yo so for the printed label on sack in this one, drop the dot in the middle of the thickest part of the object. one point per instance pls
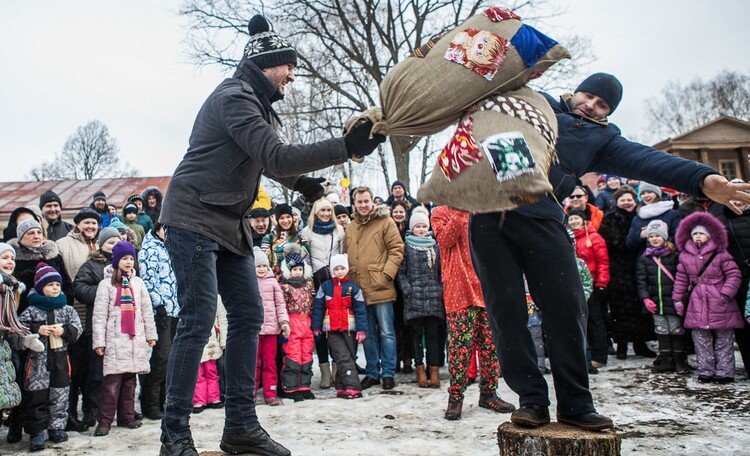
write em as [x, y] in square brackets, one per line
[509, 155]
[461, 151]
[478, 50]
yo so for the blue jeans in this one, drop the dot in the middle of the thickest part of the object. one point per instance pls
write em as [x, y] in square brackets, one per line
[380, 344]
[203, 269]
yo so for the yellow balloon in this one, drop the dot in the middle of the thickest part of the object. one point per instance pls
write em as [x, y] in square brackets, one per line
[345, 182]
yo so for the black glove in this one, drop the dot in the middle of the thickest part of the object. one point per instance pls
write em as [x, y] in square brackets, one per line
[310, 187]
[358, 141]
[8, 280]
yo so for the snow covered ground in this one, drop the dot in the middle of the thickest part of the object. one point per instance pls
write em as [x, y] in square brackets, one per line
[656, 415]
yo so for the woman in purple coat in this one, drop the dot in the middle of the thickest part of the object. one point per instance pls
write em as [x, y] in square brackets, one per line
[711, 311]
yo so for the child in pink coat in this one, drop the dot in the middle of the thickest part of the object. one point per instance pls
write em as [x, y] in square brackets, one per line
[275, 321]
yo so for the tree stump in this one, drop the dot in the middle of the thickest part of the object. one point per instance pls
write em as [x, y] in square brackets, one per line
[212, 453]
[555, 439]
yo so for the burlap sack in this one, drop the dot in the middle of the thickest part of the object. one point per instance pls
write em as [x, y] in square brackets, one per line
[490, 52]
[499, 157]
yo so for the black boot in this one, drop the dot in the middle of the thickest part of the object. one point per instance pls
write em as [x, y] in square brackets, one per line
[679, 343]
[641, 349]
[664, 362]
[255, 441]
[15, 430]
[622, 350]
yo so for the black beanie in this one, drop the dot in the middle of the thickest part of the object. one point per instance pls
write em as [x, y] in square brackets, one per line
[85, 214]
[399, 183]
[265, 48]
[340, 210]
[259, 212]
[578, 213]
[100, 195]
[48, 197]
[605, 86]
[282, 209]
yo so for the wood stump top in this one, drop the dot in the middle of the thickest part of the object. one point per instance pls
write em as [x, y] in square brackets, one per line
[555, 439]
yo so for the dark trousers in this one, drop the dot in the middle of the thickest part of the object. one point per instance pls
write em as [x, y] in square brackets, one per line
[153, 383]
[118, 394]
[79, 372]
[425, 334]
[94, 381]
[204, 269]
[504, 247]
[404, 333]
[596, 329]
[321, 349]
[341, 345]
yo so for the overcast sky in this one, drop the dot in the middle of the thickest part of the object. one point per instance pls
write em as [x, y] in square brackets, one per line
[125, 64]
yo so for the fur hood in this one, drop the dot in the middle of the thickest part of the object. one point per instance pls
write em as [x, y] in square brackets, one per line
[152, 191]
[378, 211]
[45, 252]
[98, 257]
[716, 230]
[291, 248]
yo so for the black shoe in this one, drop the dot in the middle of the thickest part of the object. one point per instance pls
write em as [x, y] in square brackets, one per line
[154, 414]
[138, 416]
[57, 436]
[101, 431]
[75, 425]
[493, 402]
[89, 420]
[641, 349]
[588, 421]
[369, 382]
[723, 380]
[198, 409]
[622, 350]
[255, 441]
[530, 415]
[215, 405]
[184, 447]
[135, 424]
[705, 379]
[360, 370]
[453, 412]
[37, 442]
[296, 396]
[593, 370]
[388, 383]
[308, 395]
[15, 433]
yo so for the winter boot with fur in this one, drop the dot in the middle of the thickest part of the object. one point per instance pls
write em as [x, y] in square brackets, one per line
[325, 376]
[664, 361]
[679, 346]
[421, 376]
[453, 412]
[434, 377]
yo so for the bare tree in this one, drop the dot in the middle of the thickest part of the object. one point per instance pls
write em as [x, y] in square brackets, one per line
[90, 153]
[346, 47]
[681, 108]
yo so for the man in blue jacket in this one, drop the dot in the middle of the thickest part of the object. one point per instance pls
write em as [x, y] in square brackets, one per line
[532, 241]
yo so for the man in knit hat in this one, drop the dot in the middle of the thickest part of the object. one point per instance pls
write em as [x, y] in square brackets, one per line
[503, 252]
[233, 143]
[399, 193]
[99, 204]
[51, 206]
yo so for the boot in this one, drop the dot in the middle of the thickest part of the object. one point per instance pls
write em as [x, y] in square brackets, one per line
[679, 348]
[421, 376]
[434, 377]
[622, 350]
[664, 362]
[641, 349]
[325, 376]
[453, 412]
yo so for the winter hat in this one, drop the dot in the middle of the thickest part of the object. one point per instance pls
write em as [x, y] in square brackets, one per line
[48, 197]
[44, 275]
[108, 233]
[398, 182]
[100, 196]
[259, 212]
[121, 249]
[646, 187]
[261, 259]
[333, 198]
[282, 209]
[340, 210]
[6, 248]
[607, 177]
[700, 229]
[658, 227]
[293, 255]
[25, 226]
[577, 213]
[419, 215]
[118, 225]
[134, 198]
[605, 86]
[340, 260]
[602, 180]
[265, 48]
[87, 214]
[130, 208]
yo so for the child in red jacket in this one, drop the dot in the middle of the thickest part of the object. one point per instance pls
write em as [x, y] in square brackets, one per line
[591, 248]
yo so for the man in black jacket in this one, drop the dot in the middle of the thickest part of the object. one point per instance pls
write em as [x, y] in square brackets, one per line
[531, 240]
[213, 189]
[51, 206]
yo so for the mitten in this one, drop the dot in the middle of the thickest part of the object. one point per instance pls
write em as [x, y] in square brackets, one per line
[286, 329]
[680, 308]
[650, 305]
[359, 142]
[360, 336]
[310, 187]
[33, 343]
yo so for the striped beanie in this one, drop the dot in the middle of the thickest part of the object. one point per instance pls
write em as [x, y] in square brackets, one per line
[45, 274]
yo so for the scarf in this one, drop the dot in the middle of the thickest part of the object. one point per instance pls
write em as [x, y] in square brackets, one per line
[423, 244]
[126, 303]
[46, 303]
[657, 251]
[655, 209]
[296, 282]
[323, 227]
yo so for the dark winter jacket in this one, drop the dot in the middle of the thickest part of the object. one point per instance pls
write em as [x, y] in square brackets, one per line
[104, 214]
[26, 261]
[712, 303]
[86, 282]
[738, 227]
[339, 306]
[584, 145]
[10, 231]
[655, 284]
[232, 144]
[605, 200]
[146, 222]
[152, 212]
[658, 211]
[420, 281]
[58, 230]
